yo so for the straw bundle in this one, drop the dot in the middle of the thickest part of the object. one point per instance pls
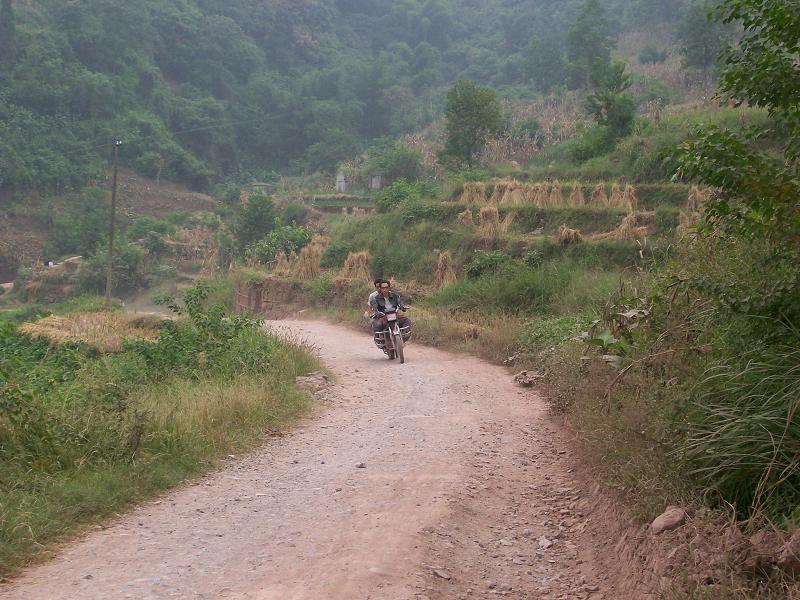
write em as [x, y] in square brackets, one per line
[616, 200]
[556, 197]
[445, 274]
[281, 264]
[599, 197]
[500, 189]
[629, 199]
[627, 230]
[356, 266]
[507, 222]
[308, 263]
[465, 218]
[104, 331]
[689, 217]
[567, 236]
[489, 227]
[515, 194]
[474, 192]
[540, 198]
[576, 199]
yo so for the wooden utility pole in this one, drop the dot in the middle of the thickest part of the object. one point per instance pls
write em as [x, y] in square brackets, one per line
[111, 227]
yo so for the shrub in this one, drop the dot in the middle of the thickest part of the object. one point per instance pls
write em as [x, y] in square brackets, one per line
[650, 54]
[486, 262]
[128, 273]
[335, 254]
[294, 214]
[286, 239]
[394, 160]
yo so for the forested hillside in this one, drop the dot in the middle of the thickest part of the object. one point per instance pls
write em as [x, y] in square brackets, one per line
[207, 90]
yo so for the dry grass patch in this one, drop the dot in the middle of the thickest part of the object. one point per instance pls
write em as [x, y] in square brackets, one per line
[445, 274]
[567, 236]
[104, 331]
[356, 266]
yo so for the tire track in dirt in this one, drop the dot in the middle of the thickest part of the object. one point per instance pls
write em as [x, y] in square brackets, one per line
[466, 491]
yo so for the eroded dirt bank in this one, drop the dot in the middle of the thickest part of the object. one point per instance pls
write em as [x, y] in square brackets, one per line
[434, 479]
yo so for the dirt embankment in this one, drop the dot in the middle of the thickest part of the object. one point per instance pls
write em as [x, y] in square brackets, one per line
[436, 479]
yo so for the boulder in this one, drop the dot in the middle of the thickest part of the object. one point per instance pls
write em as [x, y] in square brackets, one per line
[670, 519]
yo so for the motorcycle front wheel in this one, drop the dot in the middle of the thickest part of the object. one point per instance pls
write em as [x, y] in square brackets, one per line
[397, 341]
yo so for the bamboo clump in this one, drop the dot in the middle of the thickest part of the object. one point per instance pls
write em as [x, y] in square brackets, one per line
[567, 236]
[465, 218]
[445, 274]
[474, 193]
[576, 198]
[356, 266]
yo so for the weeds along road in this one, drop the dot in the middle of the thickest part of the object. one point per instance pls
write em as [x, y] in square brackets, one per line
[434, 479]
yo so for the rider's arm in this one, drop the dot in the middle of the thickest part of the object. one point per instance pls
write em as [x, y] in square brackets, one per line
[373, 305]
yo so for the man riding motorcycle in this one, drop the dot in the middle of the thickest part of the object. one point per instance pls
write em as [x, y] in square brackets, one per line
[387, 301]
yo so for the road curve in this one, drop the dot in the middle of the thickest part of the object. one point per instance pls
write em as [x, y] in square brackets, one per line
[434, 479]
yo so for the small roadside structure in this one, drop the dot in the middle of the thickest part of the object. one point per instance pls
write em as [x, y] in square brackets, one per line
[341, 183]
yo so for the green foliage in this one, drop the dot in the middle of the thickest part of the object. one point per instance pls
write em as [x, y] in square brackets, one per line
[254, 221]
[84, 434]
[284, 238]
[128, 273]
[701, 38]
[294, 214]
[589, 42]
[472, 113]
[607, 104]
[8, 36]
[394, 160]
[485, 262]
[650, 54]
[396, 194]
[81, 226]
[335, 254]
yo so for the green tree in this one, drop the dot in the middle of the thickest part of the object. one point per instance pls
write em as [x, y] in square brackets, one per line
[254, 221]
[589, 41]
[544, 62]
[8, 35]
[757, 190]
[472, 113]
[701, 38]
[607, 103]
[394, 160]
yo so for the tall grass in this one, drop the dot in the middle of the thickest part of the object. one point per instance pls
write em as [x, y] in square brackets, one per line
[83, 433]
[744, 437]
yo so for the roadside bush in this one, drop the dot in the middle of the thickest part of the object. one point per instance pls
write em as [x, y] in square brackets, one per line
[285, 238]
[335, 254]
[128, 273]
[485, 262]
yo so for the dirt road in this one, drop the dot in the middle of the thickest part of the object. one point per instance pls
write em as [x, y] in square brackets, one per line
[435, 479]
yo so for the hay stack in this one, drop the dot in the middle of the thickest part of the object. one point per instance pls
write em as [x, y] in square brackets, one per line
[556, 197]
[507, 222]
[599, 197]
[465, 218]
[356, 266]
[474, 192]
[516, 194]
[576, 199]
[540, 195]
[616, 200]
[690, 216]
[281, 264]
[500, 189]
[627, 231]
[445, 275]
[567, 236]
[490, 226]
[629, 199]
[308, 262]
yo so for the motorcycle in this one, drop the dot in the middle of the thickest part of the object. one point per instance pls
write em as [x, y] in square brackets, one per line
[392, 338]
